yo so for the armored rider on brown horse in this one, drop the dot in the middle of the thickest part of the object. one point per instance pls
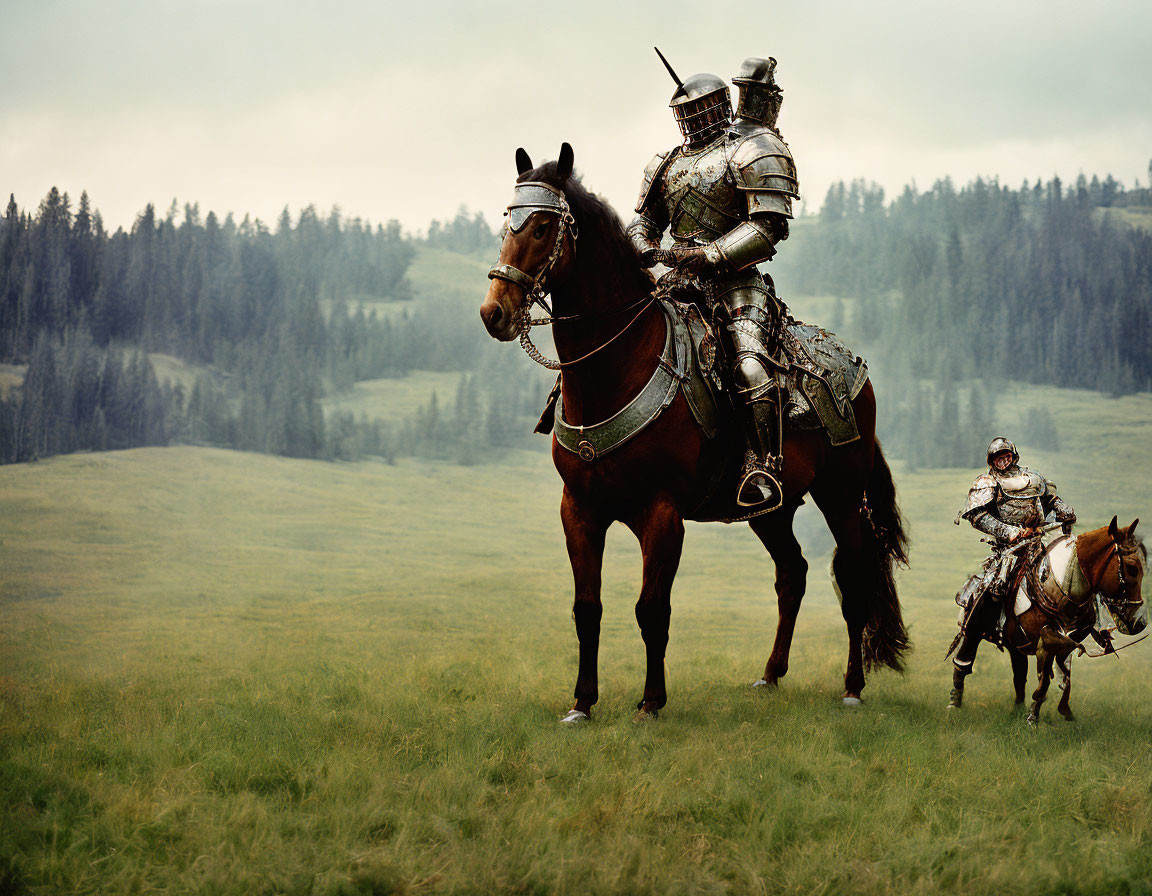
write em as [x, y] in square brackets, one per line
[1037, 599]
[641, 436]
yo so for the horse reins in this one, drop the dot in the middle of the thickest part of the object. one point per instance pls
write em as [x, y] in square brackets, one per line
[536, 196]
[1118, 553]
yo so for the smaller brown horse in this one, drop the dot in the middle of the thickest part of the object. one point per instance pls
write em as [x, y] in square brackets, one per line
[1061, 587]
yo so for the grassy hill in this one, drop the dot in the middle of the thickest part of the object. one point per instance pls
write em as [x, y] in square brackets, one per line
[232, 673]
[393, 398]
[1138, 216]
[438, 276]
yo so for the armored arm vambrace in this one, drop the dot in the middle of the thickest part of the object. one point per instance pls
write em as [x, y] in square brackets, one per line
[1062, 510]
[644, 234]
[989, 525]
[747, 244]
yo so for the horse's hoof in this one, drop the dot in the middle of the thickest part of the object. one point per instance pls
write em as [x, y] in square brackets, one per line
[850, 700]
[1032, 719]
[1068, 717]
[575, 717]
[760, 683]
[646, 715]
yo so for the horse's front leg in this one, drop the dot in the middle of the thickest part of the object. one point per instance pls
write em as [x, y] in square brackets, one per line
[1044, 679]
[1019, 673]
[1065, 664]
[660, 530]
[584, 531]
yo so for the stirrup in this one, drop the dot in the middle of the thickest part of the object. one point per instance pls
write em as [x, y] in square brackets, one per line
[759, 486]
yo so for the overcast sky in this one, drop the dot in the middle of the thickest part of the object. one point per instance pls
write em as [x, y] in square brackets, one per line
[409, 109]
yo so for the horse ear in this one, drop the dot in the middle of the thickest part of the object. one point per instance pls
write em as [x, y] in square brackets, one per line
[564, 163]
[1128, 532]
[1113, 530]
[523, 163]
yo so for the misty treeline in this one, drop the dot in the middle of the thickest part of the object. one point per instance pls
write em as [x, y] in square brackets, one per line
[962, 291]
[81, 309]
[492, 410]
[952, 292]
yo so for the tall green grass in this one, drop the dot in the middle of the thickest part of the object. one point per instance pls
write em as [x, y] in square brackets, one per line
[229, 673]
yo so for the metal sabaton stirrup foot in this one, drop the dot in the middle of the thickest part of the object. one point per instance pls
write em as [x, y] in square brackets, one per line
[759, 485]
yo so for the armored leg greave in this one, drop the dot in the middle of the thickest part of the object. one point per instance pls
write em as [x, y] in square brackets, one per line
[753, 330]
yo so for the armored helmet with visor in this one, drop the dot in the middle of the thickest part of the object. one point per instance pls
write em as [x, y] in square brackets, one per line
[703, 108]
[999, 445]
[760, 95]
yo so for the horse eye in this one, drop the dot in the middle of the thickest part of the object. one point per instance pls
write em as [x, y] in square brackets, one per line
[540, 231]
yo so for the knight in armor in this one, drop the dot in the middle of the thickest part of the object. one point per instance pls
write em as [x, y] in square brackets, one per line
[726, 194]
[760, 97]
[1010, 504]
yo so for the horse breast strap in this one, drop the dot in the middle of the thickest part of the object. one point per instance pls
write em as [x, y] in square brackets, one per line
[596, 440]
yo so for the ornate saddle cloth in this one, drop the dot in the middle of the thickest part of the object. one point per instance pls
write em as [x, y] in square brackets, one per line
[822, 379]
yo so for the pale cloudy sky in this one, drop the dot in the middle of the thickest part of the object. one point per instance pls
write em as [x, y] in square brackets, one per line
[409, 109]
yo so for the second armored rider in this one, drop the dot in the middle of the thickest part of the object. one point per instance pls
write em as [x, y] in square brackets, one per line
[726, 195]
[1009, 503]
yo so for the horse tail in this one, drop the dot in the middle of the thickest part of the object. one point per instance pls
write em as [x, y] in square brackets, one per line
[885, 637]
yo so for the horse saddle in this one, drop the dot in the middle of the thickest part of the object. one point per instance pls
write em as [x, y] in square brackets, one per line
[822, 379]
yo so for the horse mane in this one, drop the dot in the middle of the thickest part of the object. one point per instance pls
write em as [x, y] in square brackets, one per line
[1138, 541]
[609, 251]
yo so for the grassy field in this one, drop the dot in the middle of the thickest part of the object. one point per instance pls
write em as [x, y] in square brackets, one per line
[394, 398]
[1139, 216]
[11, 376]
[229, 673]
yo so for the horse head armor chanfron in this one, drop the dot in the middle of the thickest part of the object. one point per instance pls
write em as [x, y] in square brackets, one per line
[531, 197]
[504, 317]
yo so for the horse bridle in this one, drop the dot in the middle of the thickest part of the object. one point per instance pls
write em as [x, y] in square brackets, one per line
[1119, 553]
[536, 196]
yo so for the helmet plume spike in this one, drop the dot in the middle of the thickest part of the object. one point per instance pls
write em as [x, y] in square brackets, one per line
[679, 83]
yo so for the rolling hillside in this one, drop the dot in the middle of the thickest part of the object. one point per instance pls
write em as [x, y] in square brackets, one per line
[232, 673]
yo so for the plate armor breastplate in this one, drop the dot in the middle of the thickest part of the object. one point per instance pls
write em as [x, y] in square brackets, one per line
[1019, 498]
[699, 194]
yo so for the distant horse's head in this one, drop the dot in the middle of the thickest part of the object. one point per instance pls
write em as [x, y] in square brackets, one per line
[539, 240]
[1117, 568]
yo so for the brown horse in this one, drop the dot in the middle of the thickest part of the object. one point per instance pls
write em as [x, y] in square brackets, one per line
[1111, 563]
[609, 335]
